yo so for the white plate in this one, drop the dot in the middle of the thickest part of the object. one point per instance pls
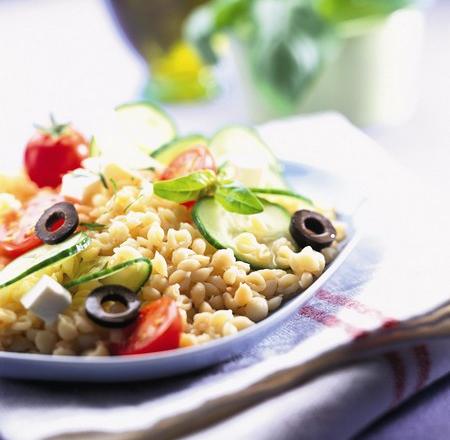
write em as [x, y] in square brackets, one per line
[311, 182]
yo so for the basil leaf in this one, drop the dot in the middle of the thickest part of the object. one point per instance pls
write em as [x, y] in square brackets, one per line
[186, 188]
[239, 199]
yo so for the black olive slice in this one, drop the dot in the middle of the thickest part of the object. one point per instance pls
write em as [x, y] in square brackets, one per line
[310, 228]
[57, 223]
[96, 300]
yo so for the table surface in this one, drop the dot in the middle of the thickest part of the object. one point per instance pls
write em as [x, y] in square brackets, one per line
[67, 57]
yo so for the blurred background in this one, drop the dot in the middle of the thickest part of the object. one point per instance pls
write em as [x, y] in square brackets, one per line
[383, 63]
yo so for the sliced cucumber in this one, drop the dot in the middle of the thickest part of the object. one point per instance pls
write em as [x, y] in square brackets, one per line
[293, 202]
[167, 153]
[149, 126]
[132, 273]
[42, 257]
[289, 200]
[235, 141]
[221, 228]
[131, 133]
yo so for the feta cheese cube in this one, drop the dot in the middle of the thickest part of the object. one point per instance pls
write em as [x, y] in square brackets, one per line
[47, 299]
[120, 175]
[117, 171]
[249, 170]
[80, 185]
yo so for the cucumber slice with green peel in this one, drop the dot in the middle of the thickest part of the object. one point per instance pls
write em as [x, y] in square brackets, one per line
[130, 133]
[42, 257]
[132, 274]
[293, 201]
[234, 141]
[284, 197]
[221, 228]
[148, 126]
[167, 153]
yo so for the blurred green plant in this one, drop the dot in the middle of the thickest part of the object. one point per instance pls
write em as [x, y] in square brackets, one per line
[344, 10]
[288, 42]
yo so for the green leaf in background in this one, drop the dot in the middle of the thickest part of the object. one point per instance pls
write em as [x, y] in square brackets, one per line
[343, 10]
[290, 47]
[239, 199]
[186, 188]
[214, 17]
[286, 42]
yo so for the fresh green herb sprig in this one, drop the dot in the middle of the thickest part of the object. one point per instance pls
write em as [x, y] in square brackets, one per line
[103, 180]
[93, 226]
[186, 188]
[233, 196]
[114, 185]
[139, 197]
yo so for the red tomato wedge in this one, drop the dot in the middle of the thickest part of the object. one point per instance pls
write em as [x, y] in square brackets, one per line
[17, 231]
[158, 328]
[195, 159]
[14, 249]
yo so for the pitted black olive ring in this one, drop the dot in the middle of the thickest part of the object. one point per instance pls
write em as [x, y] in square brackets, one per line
[100, 295]
[310, 228]
[46, 228]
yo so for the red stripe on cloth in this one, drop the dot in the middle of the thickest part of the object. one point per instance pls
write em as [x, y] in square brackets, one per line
[328, 320]
[423, 359]
[353, 304]
[398, 368]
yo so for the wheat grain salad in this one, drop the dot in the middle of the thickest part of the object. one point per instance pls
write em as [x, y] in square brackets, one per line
[148, 241]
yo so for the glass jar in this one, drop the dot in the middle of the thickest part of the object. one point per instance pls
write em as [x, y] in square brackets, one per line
[154, 28]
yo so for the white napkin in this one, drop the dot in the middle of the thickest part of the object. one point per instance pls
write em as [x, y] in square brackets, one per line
[387, 308]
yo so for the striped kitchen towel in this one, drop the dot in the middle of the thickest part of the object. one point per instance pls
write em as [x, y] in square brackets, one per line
[378, 332]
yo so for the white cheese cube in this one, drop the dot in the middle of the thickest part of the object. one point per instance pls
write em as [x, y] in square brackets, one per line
[93, 164]
[249, 170]
[116, 172]
[120, 175]
[131, 158]
[47, 299]
[80, 185]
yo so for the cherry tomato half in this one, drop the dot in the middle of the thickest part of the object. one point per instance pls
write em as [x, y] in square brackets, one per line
[14, 249]
[52, 153]
[17, 230]
[158, 328]
[197, 158]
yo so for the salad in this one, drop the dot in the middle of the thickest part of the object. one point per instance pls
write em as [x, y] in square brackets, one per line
[141, 240]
